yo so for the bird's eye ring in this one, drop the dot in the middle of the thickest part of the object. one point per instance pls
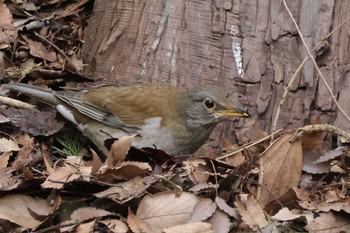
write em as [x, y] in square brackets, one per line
[209, 104]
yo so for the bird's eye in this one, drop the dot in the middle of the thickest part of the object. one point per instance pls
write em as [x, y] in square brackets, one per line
[209, 104]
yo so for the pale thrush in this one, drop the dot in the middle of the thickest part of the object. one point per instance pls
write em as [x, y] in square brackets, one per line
[174, 120]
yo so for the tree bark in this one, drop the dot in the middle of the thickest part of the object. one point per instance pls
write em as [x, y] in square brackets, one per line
[250, 47]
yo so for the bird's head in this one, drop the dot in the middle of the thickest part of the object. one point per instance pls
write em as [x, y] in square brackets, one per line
[208, 105]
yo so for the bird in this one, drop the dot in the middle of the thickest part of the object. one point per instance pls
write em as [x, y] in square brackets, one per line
[172, 119]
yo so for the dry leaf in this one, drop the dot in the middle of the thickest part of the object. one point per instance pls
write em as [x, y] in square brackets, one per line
[7, 145]
[195, 169]
[19, 209]
[220, 222]
[203, 210]
[310, 166]
[125, 191]
[60, 177]
[280, 168]
[226, 208]
[37, 49]
[164, 210]
[196, 227]
[329, 223]
[95, 163]
[33, 121]
[119, 150]
[85, 227]
[4, 159]
[205, 187]
[136, 224]
[331, 154]
[251, 212]
[285, 214]
[8, 32]
[86, 213]
[234, 160]
[313, 141]
[125, 170]
[8, 181]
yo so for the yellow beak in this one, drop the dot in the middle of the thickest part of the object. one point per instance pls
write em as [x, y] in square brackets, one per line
[232, 113]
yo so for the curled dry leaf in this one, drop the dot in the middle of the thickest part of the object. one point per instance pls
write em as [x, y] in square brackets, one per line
[280, 168]
[119, 150]
[251, 212]
[21, 209]
[164, 210]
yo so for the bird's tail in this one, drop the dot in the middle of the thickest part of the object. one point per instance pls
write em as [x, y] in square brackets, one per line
[42, 94]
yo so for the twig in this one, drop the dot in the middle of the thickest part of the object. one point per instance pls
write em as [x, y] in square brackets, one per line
[59, 50]
[15, 103]
[248, 145]
[302, 65]
[321, 127]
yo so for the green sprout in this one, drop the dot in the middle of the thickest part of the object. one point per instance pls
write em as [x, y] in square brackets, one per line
[70, 142]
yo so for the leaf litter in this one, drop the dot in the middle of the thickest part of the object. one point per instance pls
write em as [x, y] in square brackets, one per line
[292, 182]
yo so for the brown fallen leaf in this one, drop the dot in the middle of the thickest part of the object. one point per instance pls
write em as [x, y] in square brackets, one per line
[280, 168]
[85, 213]
[196, 170]
[19, 209]
[220, 222]
[226, 208]
[59, 177]
[4, 159]
[119, 150]
[329, 223]
[83, 227]
[251, 212]
[195, 227]
[203, 210]
[8, 31]
[37, 49]
[125, 191]
[33, 121]
[7, 145]
[136, 224]
[285, 214]
[164, 210]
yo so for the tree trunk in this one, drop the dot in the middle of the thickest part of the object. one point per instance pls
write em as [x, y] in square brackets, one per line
[250, 47]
